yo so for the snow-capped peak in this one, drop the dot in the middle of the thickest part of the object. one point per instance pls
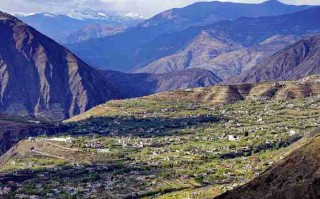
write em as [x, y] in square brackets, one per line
[88, 14]
[23, 14]
[135, 15]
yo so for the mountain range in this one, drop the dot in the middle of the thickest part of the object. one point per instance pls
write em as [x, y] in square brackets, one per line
[205, 13]
[42, 79]
[142, 46]
[62, 26]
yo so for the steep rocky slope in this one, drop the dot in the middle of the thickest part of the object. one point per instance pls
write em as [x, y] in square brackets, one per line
[295, 177]
[296, 61]
[41, 78]
[137, 85]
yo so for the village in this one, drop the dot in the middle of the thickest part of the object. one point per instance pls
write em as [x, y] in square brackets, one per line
[172, 149]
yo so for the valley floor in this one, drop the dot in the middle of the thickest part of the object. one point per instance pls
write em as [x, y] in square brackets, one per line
[158, 147]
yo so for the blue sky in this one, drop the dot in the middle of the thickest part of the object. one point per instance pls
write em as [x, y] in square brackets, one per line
[144, 7]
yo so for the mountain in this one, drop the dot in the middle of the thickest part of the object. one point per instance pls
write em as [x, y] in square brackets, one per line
[204, 13]
[138, 85]
[60, 26]
[93, 31]
[246, 42]
[140, 46]
[295, 177]
[294, 62]
[41, 78]
[225, 57]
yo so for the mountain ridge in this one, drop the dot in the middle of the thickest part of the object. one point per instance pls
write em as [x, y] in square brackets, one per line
[41, 78]
[293, 62]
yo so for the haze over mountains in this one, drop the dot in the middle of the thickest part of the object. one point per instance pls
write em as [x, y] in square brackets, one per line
[66, 27]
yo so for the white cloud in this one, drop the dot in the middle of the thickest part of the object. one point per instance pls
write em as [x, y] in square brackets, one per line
[145, 7]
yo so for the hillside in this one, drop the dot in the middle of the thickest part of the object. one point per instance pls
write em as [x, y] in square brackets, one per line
[41, 78]
[42, 148]
[295, 177]
[13, 129]
[291, 63]
[138, 85]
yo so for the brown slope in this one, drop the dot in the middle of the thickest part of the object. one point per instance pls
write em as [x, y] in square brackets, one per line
[204, 48]
[41, 78]
[294, 62]
[295, 177]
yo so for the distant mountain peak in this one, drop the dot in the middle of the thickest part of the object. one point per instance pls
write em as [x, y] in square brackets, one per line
[135, 15]
[273, 2]
[102, 14]
[85, 14]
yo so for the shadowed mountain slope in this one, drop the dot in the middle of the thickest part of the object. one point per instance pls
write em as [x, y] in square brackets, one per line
[138, 85]
[41, 78]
